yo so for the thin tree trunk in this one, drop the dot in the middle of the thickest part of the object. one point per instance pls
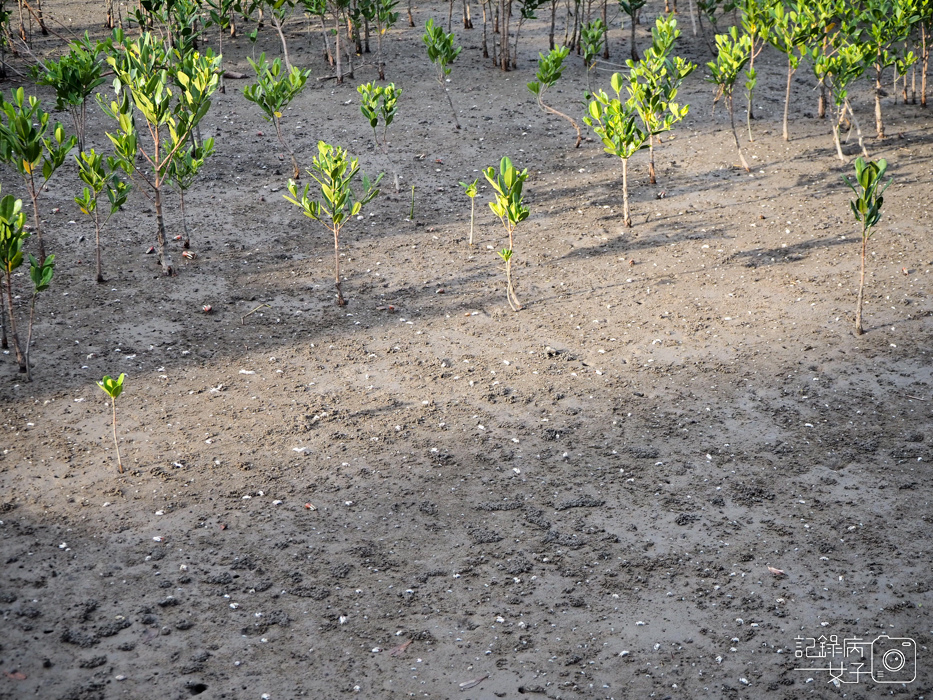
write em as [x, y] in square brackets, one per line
[337, 49]
[184, 220]
[858, 130]
[505, 11]
[32, 319]
[836, 123]
[451, 103]
[925, 52]
[651, 177]
[327, 51]
[606, 25]
[13, 334]
[879, 123]
[573, 123]
[550, 34]
[340, 299]
[116, 444]
[164, 256]
[512, 297]
[411, 19]
[626, 219]
[635, 56]
[278, 27]
[100, 269]
[379, 61]
[821, 107]
[366, 35]
[861, 289]
[751, 108]
[693, 17]
[467, 19]
[735, 135]
[450, 15]
[913, 84]
[790, 77]
[485, 45]
[4, 342]
[34, 196]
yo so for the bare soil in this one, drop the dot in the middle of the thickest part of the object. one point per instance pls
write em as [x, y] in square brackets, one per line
[579, 500]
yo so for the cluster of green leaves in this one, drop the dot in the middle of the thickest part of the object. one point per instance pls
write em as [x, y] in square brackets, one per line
[550, 69]
[379, 103]
[273, 90]
[655, 81]
[13, 235]
[32, 146]
[100, 176]
[172, 92]
[442, 52]
[113, 388]
[733, 52]
[869, 187]
[74, 78]
[334, 171]
[508, 205]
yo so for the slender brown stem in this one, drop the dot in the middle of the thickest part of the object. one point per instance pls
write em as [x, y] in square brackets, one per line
[32, 318]
[12, 316]
[735, 135]
[790, 76]
[116, 444]
[861, 289]
[100, 272]
[548, 108]
[340, 299]
[651, 176]
[627, 220]
[291, 153]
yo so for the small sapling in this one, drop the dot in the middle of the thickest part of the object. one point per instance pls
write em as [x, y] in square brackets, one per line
[334, 172]
[442, 52]
[99, 174]
[113, 388]
[868, 188]
[550, 68]
[470, 191]
[273, 90]
[508, 205]
[616, 123]
[733, 54]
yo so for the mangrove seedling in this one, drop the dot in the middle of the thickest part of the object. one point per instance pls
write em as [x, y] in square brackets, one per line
[379, 104]
[273, 90]
[12, 237]
[99, 174]
[654, 83]
[41, 275]
[113, 388]
[185, 169]
[33, 147]
[334, 171]
[592, 39]
[172, 98]
[74, 77]
[550, 68]
[868, 188]
[470, 191]
[616, 123]
[632, 8]
[507, 205]
[733, 53]
[442, 52]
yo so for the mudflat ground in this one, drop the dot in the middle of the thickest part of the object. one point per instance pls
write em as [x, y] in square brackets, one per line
[579, 500]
